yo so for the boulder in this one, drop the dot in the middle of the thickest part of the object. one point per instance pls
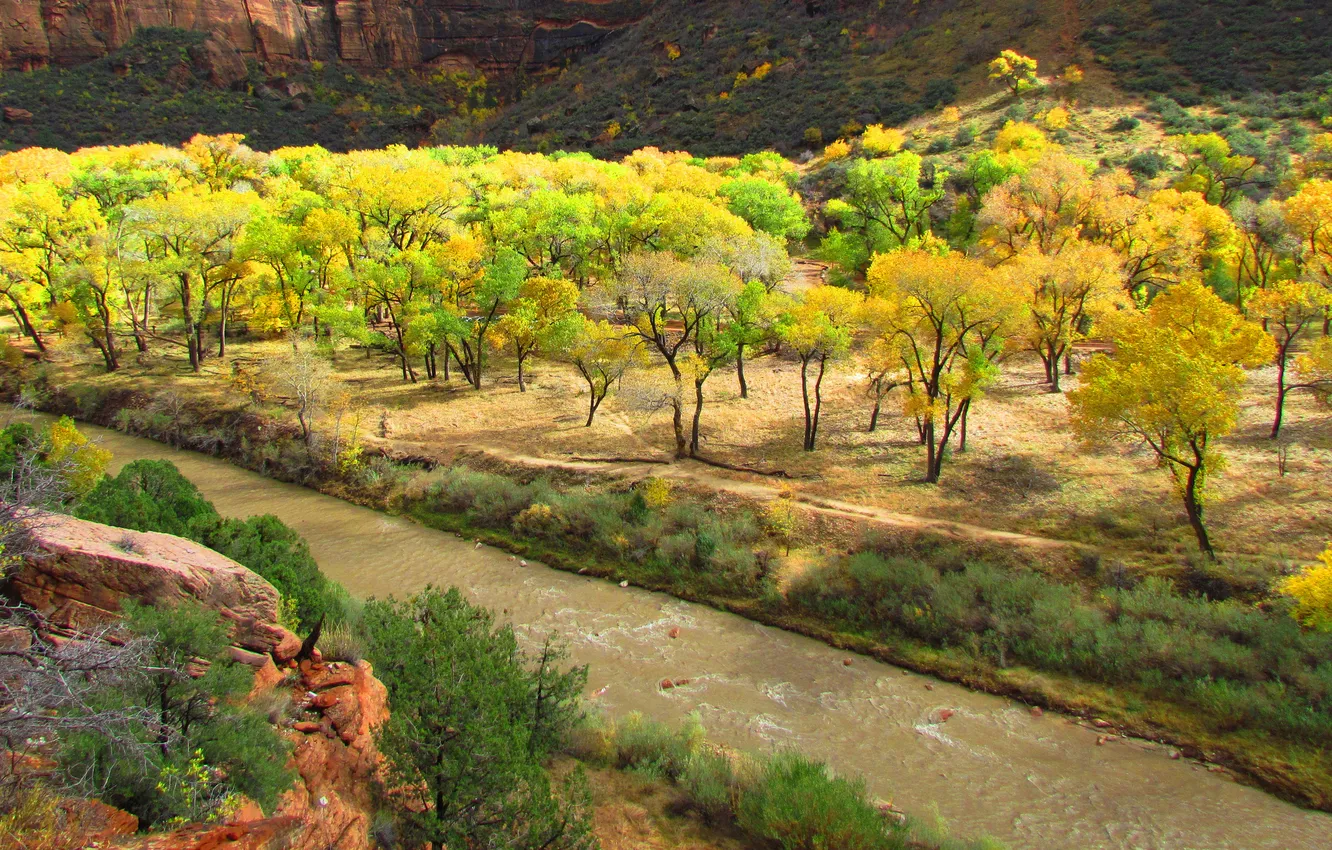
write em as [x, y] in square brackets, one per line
[15, 115]
[81, 572]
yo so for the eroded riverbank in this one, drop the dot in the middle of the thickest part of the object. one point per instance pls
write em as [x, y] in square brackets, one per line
[991, 767]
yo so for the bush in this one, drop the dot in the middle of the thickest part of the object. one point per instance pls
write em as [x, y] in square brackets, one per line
[152, 495]
[1125, 124]
[797, 805]
[214, 747]
[1148, 164]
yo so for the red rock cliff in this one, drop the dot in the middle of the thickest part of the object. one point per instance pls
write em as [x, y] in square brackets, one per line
[493, 35]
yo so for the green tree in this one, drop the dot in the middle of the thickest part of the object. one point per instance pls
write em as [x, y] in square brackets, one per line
[767, 206]
[472, 717]
[888, 201]
[1212, 170]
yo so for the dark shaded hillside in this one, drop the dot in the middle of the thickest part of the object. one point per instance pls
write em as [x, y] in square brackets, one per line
[712, 76]
[836, 63]
[167, 85]
[1220, 45]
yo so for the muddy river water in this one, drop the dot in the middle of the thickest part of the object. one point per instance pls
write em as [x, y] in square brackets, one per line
[991, 768]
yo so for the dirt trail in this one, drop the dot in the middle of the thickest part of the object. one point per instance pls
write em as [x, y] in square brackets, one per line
[708, 476]
[805, 273]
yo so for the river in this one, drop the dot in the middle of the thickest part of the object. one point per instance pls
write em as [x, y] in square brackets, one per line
[991, 768]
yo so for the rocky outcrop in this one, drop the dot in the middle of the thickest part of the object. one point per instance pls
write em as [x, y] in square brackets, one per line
[81, 572]
[78, 578]
[339, 704]
[493, 35]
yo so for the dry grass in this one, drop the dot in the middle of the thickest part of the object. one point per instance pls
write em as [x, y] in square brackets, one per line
[1023, 471]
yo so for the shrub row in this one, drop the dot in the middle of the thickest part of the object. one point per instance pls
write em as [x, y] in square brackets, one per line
[785, 799]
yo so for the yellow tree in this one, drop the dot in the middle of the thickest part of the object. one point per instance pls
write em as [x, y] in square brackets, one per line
[1163, 239]
[603, 353]
[544, 316]
[948, 319]
[1309, 215]
[1212, 170]
[1045, 206]
[1065, 295]
[1174, 384]
[818, 329]
[190, 237]
[1288, 309]
[1013, 70]
[1312, 591]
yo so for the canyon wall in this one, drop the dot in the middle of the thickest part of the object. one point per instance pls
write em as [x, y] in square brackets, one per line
[491, 35]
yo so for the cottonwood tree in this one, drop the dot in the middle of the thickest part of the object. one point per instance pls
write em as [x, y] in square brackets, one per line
[948, 319]
[819, 328]
[603, 354]
[1064, 295]
[1212, 170]
[885, 372]
[1309, 215]
[1174, 385]
[544, 317]
[190, 237]
[1015, 71]
[1288, 309]
[888, 201]
[667, 302]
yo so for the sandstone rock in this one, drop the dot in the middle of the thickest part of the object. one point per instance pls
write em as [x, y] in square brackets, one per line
[80, 575]
[334, 800]
[1102, 724]
[490, 35]
[15, 115]
[221, 63]
[1037, 711]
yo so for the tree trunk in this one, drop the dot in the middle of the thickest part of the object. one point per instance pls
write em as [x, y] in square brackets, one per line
[874, 414]
[962, 428]
[740, 369]
[1193, 507]
[593, 403]
[818, 403]
[522, 385]
[698, 414]
[804, 393]
[677, 422]
[932, 468]
[1281, 390]
[26, 323]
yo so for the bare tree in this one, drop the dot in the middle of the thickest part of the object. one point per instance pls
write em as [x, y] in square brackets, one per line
[303, 378]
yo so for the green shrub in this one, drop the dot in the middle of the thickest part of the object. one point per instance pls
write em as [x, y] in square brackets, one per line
[202, 746]
[797, 805]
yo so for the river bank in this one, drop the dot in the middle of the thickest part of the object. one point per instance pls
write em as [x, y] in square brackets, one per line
[997, 745]
[1292, 769]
